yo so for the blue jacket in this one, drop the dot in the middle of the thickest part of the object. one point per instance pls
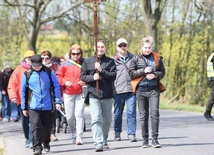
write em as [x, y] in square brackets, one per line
[39, 83]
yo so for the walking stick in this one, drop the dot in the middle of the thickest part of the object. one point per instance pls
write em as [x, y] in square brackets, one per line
[95, 2]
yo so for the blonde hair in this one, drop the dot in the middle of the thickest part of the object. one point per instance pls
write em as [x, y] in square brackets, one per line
[148, 39]
[75, 47]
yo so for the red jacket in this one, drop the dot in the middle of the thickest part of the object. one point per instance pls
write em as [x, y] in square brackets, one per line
[70, 72]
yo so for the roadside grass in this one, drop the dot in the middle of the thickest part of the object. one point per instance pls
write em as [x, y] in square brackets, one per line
[182, 107]
[2, 146]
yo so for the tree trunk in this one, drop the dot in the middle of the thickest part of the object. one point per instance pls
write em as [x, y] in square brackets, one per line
[151, 19]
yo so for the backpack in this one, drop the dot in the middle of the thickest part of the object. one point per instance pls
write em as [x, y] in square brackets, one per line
[28, 92]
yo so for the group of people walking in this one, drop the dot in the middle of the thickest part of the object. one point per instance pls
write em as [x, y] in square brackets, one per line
[124, 80]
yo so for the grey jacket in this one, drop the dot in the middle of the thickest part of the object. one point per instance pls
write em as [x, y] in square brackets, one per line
[122, 82]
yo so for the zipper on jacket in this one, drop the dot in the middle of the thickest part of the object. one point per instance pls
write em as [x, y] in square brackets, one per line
[40, 90]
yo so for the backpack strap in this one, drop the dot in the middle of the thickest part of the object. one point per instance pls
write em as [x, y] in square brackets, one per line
[28, 91]
[48, 71]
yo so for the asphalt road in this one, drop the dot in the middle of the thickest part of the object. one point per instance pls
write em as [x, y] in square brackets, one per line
[181, 133]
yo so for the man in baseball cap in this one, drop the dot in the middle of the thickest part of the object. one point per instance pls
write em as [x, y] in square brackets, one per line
[36, 60]
[120, 41]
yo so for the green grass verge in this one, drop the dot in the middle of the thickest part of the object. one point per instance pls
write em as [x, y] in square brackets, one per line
[2, 146]
[182, 107]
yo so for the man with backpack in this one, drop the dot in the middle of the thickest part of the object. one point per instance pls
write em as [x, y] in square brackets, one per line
[38, 85]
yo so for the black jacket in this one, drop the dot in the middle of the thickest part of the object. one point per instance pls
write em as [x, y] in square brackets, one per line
[107, 75]
[4, 80]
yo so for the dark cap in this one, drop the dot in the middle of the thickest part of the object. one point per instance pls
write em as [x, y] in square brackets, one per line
[36, 60]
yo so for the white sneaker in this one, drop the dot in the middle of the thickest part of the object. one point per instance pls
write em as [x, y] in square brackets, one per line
[79, 141]
[73, 138]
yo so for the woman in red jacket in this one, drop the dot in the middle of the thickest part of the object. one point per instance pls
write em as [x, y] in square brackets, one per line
[69, 78]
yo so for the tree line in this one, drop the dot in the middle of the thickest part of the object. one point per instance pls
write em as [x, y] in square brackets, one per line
[183, 33]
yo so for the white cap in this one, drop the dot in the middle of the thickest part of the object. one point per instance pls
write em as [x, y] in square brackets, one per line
[121, 40]
[6, 65]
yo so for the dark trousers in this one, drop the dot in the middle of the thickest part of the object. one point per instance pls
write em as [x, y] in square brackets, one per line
[54, 115]
[41, 122]
[211, 98]
[149, 100]
[26, 126]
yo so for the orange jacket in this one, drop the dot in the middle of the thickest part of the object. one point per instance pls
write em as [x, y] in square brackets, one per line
[14, 83]
[135, 82]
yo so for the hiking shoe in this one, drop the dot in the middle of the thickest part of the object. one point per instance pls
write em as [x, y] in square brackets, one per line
[53, 137]
[117, 136]
[155, 143]
[99, 148]
[46, 147]
[145, 144]
[105, 146]
[37, 152]
[132, 138]
[79, 141]
[208, 116]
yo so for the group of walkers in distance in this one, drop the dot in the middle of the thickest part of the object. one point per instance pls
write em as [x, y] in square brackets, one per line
[37, 88]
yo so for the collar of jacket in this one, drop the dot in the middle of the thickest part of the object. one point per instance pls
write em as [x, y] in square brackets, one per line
[101, 58]
[128, 55]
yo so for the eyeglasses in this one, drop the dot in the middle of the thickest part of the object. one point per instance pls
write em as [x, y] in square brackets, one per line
[45, 57]
[77, 54]
[122, 45]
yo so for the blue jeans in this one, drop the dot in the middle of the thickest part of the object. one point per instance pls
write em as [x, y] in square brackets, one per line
[119, 103]
[101, 116]
[6, 112]
[149, 100]
[26, 126]
[14, 110]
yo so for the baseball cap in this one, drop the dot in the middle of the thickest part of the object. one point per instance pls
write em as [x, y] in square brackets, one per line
[6, 65]
[121, 40]
[36, 60]
[29, 53]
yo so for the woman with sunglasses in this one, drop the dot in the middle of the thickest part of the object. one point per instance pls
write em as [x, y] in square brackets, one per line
[69, 78]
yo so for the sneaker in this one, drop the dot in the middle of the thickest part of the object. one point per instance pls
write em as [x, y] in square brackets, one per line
[31, 145]
[208, 116]
[117, 136]
[46, 147]
[145, 144]
[155, 143]
[132, 138]
[15, 120]
[79, 141]
[27, 145]
[53, 137]
[37, 152]
[73, 139]
[6, 120]
[105, 146]
[99, 148]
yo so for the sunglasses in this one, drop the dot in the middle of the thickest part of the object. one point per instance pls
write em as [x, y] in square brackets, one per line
[45, 57]
[76, 54]
[122, 45]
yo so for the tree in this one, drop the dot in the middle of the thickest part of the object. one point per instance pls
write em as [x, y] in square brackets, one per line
[34, 13]
[152, 17]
